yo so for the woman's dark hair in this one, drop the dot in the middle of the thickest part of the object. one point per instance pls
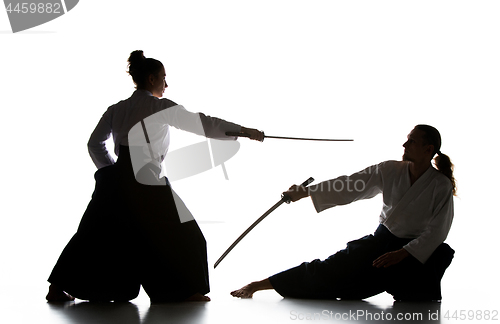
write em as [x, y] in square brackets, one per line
[140, 68]
[442, 161]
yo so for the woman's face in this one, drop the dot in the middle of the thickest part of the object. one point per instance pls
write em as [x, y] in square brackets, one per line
[158, 83]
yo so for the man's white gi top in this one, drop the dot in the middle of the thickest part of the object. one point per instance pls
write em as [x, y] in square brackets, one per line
[422, 211]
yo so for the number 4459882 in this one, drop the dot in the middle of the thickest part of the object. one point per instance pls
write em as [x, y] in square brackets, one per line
[478, 315]
[23, 8]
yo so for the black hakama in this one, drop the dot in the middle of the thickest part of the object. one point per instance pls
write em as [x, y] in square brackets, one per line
[349, 273]
[131, 235]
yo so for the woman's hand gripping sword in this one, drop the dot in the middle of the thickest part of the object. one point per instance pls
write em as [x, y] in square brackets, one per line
[284, 198]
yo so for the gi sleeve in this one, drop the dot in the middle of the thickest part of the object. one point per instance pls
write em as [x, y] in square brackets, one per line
[198, 123]
[96, 144]
[346, 189]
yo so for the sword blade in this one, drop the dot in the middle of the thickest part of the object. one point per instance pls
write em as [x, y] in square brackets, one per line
[279, 203]
[290, 138]
[284, 198]
[310, 139]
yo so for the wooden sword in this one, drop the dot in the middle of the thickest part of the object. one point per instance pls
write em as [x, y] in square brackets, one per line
[284, 198]
[290, 138]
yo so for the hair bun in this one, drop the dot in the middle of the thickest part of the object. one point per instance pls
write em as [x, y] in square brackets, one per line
[136, 57]
[140, 67]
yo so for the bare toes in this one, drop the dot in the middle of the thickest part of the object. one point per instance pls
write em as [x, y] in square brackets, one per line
[198, 297]
[241, 293]
[59, 297]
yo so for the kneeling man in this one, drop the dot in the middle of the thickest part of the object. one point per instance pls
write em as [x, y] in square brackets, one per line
[406, 255]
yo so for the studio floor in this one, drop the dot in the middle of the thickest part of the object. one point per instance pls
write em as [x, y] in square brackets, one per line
[470, 294]
[28, 306]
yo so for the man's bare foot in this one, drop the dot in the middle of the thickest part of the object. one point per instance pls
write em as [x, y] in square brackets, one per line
[198, 297]
[57, 295]
[251, 288]
[245, 292]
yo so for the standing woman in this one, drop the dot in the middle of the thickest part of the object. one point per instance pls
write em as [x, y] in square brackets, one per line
[132, 233]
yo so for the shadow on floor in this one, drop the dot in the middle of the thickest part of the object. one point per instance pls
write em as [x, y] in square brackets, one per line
[249, 311]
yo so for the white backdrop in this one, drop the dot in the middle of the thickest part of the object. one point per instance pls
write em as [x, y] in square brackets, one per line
[367, 70]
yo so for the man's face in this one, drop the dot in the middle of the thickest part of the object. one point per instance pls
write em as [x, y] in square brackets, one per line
[415, 147]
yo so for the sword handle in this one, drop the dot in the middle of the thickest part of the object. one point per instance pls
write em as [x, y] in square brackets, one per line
[237, 134]
[240, 134]
[287, 199]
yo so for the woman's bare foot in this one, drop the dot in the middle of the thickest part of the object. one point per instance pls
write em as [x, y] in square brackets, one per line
[248, 290]
[58, 295]
[198, 297]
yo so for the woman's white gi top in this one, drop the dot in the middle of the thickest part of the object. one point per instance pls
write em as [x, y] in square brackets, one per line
[123, 122]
